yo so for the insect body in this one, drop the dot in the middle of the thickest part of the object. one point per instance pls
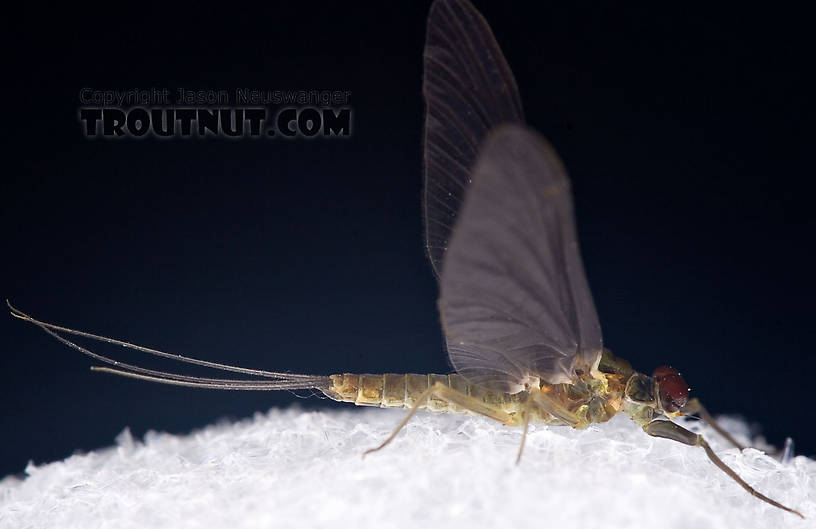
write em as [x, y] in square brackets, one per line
[520, 324]
[587, 398]
[583, 401]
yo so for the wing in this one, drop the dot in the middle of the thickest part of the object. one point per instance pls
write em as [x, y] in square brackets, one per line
[469, 89]
[514, 299]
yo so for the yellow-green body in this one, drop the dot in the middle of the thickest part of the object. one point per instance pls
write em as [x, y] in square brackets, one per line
[587, 400]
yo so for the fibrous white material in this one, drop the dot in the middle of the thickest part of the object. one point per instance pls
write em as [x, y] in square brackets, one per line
[292, 468]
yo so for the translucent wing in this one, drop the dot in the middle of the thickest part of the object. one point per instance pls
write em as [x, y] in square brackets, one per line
[514, 299]
[469, 89]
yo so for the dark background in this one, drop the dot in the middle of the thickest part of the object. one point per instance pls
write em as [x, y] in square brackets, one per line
[687, 134]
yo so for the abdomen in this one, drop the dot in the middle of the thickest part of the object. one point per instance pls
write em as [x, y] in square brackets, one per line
[393, 390]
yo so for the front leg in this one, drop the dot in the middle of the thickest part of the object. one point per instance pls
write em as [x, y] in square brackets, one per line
[694, 406]
[669, 430]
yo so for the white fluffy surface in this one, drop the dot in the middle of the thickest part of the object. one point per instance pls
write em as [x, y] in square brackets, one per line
[290, 468]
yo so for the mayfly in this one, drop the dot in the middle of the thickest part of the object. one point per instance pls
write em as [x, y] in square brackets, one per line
[519, 321]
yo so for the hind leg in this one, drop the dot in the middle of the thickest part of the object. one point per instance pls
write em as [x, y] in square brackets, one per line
[443, 392]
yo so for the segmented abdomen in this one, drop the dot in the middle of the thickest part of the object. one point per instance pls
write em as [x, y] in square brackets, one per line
[393, 390]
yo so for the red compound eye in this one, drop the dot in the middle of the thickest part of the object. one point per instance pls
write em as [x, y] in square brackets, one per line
[672, 389]
[663, 371]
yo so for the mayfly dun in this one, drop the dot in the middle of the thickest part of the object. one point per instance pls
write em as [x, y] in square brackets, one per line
[520, 325]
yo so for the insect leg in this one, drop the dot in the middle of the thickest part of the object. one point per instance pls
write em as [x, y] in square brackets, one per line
[551, 405]
[694, 406]
[670, 430]
[528, 406]
[441, 391]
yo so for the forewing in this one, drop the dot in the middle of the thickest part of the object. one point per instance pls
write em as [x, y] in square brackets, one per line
[469, 89]
[514, 300]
